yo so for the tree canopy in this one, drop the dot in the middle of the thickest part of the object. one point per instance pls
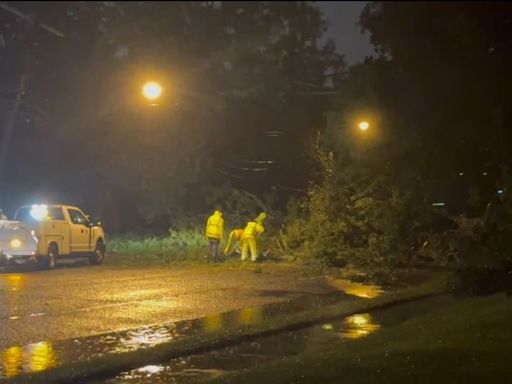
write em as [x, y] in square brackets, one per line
[451, 85]
[236, 78]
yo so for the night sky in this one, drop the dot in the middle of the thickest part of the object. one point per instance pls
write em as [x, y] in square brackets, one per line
[343, 17]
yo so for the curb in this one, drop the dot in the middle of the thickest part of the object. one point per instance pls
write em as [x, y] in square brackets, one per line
[109, 365]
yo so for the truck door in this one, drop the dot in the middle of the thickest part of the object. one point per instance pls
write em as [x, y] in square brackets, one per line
[79, 231]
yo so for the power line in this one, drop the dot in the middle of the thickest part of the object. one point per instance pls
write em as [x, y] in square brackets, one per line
[21, 15]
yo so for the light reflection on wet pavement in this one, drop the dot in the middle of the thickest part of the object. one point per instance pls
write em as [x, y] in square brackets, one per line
[53, 318]
[365, 291]
[44, 355]
[251, 354]
[265, 350]
[35, 357]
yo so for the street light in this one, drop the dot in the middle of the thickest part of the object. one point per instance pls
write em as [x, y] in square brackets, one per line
[151, 90]
[363, 125]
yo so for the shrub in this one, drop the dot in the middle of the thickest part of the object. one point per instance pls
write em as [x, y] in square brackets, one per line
[183, 245]
[485, 263]
[358, 213]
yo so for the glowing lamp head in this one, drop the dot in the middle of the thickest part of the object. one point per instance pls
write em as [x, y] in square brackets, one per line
[364, 125]
[152, 90]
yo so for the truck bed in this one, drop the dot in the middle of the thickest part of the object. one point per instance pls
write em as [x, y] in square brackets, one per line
[15, 230]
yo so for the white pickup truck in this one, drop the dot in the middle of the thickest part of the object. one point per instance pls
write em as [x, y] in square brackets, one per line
[47, 233]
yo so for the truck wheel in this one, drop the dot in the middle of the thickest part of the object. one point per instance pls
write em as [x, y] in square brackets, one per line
[50, 260]
[99, 253]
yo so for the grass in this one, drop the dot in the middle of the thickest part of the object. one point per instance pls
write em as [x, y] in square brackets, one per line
[180, 246]
[183, 246]
[469, 342]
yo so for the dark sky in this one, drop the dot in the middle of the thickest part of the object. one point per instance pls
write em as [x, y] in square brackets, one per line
[343, 17]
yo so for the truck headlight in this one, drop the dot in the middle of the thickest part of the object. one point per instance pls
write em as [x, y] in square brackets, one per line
[15, 243]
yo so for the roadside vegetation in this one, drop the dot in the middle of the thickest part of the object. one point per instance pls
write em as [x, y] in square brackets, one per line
[180, 246]
[366, 198]
[455, 345]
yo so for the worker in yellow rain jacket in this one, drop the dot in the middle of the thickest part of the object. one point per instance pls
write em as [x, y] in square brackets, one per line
[234, 237]
[252, 230]
[214, 234]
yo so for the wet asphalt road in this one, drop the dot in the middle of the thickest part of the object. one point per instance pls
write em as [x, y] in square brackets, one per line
[267, 350]
[79, 300]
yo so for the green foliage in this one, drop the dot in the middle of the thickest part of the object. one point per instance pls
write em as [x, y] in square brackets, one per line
[439, 78]
[230, 73]
[485, 256]
[241, 205]
[368, 205]
[362, 209]
[491, 246]
[180, 246]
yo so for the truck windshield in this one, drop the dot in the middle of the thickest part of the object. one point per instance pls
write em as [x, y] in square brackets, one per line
[25, 214]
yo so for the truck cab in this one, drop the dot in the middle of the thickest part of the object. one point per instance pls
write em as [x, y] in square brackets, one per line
[47, 233]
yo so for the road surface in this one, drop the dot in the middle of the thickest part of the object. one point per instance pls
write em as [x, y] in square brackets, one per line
[80, 300]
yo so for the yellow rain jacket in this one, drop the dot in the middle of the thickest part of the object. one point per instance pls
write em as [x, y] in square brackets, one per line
[234, 236]
[254, 228]
[215, 226]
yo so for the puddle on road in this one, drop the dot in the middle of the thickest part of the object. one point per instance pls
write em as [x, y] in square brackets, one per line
[358, 325]
[31, 358]
[365, 291]
[44, 355]
[265, 350]
[251, 354]
[15, 282]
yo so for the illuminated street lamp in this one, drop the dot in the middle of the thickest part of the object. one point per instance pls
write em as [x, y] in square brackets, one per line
[363, 125]
[151, 90]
